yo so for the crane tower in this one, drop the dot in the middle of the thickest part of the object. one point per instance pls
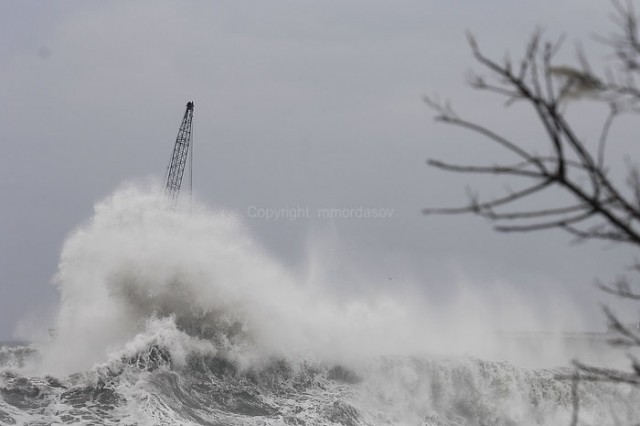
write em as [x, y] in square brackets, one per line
[180, 156]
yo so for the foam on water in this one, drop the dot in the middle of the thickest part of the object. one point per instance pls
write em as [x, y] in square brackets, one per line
[179, 317]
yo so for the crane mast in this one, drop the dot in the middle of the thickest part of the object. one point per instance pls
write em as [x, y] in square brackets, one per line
[180, 156]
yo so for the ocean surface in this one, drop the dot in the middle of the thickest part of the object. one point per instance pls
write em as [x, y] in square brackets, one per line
[151, 388]
[180, 318]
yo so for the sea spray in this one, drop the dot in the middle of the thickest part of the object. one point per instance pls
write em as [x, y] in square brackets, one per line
[179, 317]
[136, 259]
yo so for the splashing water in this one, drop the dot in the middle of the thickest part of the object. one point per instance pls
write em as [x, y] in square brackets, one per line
[176, 317]
[137, 260]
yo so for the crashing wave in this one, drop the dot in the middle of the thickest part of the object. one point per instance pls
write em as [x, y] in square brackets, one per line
[168, 384]
[172, 317]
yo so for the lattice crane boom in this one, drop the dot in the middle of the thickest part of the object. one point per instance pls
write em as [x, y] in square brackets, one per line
[180, 156]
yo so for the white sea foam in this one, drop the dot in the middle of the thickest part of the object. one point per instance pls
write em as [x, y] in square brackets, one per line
[155, 302]
[136, 260]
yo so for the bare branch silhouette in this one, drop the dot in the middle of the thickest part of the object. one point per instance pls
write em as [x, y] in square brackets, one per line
[594, 207]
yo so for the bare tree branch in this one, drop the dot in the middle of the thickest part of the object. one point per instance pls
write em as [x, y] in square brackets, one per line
[575, 399]
[544, 225]
[595, 207]
[620, 288]
[483, 169]
[475, 207]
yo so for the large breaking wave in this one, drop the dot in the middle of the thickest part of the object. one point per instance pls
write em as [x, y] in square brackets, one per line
[179, 317]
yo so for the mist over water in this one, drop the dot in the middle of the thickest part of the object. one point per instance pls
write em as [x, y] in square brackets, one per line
[170, 316]
[137, 261]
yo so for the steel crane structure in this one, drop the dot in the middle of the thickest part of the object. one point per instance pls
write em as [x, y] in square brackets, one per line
[181, 154]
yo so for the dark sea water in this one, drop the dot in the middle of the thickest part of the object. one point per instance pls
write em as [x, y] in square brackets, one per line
[148, 388]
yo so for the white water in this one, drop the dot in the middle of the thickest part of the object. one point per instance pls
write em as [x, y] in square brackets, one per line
[136, 260]
[139, 276]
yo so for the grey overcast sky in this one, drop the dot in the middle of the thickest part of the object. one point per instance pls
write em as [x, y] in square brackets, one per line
[298, 103]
